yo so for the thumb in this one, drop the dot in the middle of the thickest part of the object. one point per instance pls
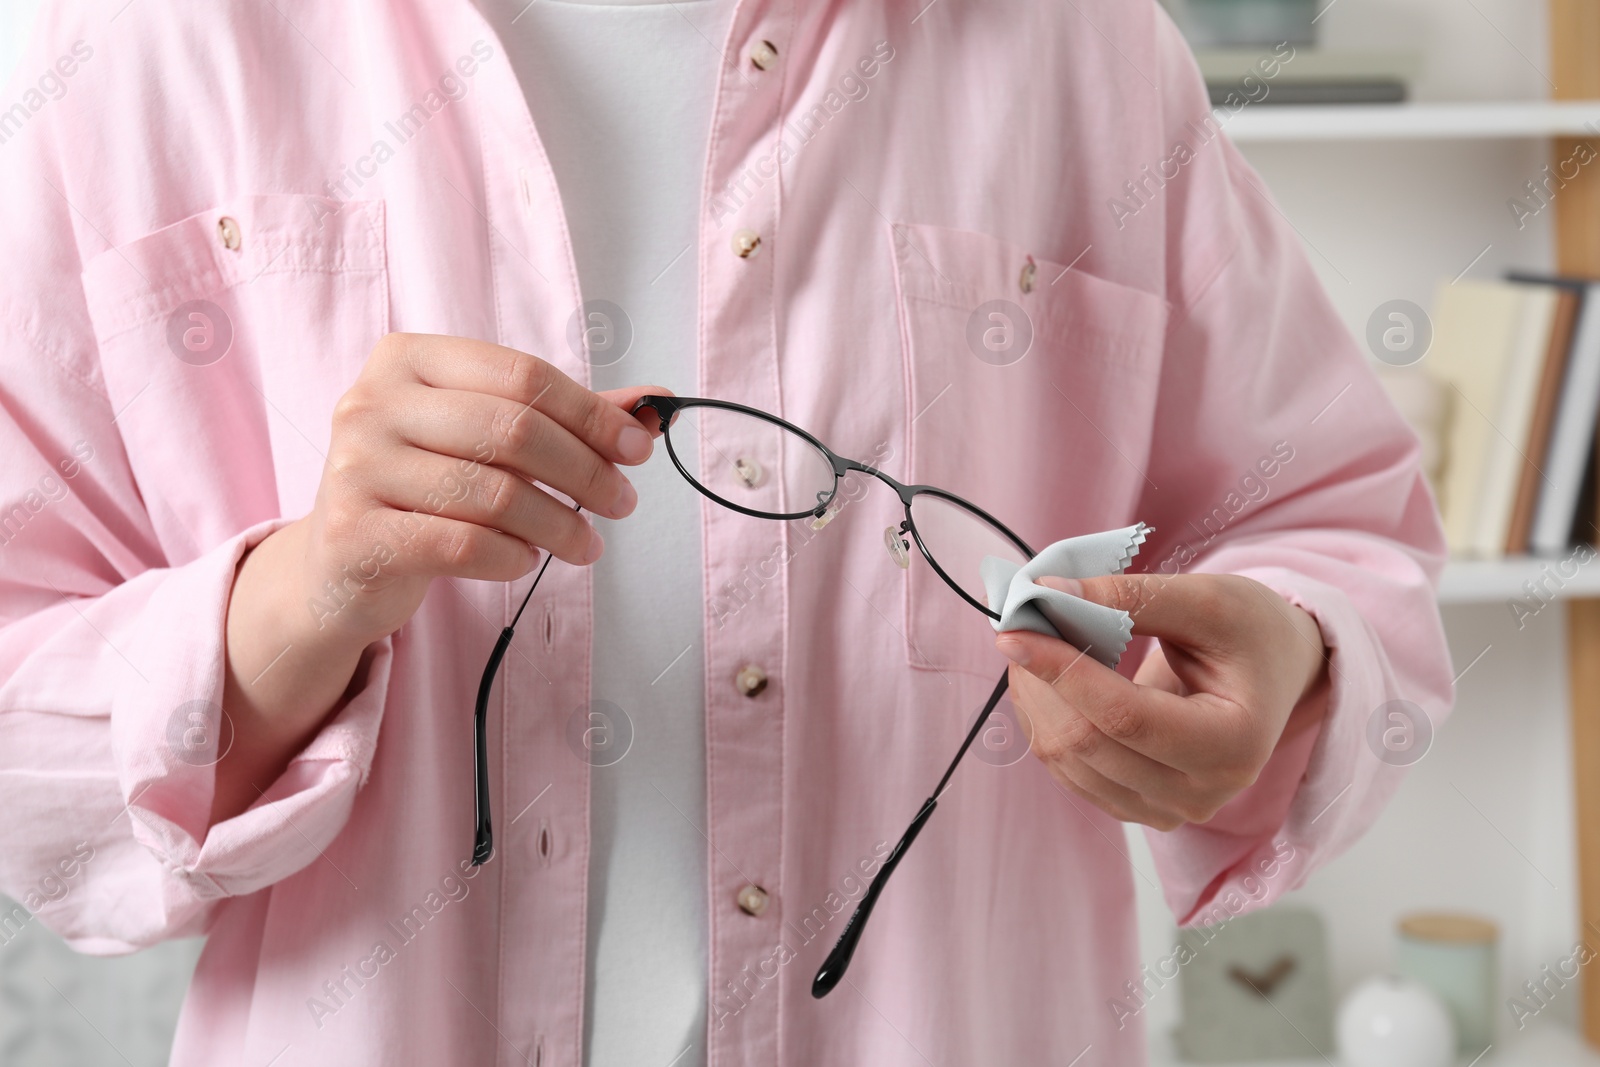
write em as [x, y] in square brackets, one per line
[1162, 606]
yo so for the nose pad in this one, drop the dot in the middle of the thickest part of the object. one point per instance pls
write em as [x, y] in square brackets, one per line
[825, 516]
[898, 546]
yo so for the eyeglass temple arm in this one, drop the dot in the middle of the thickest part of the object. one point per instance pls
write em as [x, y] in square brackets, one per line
[483, 836]
[483, 833]
[664, 407]
[838, 961]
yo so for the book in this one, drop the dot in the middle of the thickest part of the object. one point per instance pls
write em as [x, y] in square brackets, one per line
[1301, 63]
[1586, 527]
[1289, 93]
[1477, 326]
[1519, 388]
[1572, 434]
[1569, 297]
[1301, 74]
[1424, 402]
[1583, 529]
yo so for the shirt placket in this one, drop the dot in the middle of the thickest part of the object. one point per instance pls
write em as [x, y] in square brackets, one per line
[745, 660]
[541, 803]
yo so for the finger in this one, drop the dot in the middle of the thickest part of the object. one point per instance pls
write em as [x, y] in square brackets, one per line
[431, 545]
[1167, 728]
[481, 367]
[490, 497]
[1116, 801]
[1062, 734]
[627, 398]
[492, 430]
[1157, 673]
[1193, 609]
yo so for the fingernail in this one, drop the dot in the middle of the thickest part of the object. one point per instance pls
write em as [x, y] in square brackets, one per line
[1013, 650]
[597, 545]
[633, 444]
[625, 501]
[1065, 585]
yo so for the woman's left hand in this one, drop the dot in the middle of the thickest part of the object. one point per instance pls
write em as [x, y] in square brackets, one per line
[1238, 670]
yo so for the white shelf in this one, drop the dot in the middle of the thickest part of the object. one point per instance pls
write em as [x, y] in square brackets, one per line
[1548, 1045]
[1383, 122]
[1484, 581]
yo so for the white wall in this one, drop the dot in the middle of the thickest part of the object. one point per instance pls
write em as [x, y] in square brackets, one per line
[16, 19]
[1471, 49]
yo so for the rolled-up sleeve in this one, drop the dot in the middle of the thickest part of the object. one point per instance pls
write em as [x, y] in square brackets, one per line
[112, 642]
[111, 693]
[166, 735]
[1280, 458]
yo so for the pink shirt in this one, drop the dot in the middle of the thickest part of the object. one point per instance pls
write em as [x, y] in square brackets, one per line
[902, 166]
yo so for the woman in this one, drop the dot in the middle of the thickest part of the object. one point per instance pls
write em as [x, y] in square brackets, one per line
[301, 382]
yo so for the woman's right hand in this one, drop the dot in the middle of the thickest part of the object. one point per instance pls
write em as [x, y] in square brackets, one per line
[431, 473]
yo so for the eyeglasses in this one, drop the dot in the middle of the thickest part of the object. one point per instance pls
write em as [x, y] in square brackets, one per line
[785, 473]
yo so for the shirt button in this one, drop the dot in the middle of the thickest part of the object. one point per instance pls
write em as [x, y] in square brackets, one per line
[752, 900]
[749, 472]
[751, 680]
[228, 231]
[745, 243]
[764, 55]
[1029, 273]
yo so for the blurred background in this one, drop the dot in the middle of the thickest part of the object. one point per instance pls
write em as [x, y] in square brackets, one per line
[1407, 142]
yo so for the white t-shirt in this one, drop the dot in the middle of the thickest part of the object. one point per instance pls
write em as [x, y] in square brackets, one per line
[621, 94]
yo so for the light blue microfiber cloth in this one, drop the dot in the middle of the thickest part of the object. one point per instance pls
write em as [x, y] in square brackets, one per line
[1100, 632]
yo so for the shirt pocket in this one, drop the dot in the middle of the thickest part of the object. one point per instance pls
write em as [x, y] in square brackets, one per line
[225, 339]
[1031, 390]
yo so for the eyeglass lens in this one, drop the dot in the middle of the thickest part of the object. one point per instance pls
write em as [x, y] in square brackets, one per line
[958, 539]
[751, 463]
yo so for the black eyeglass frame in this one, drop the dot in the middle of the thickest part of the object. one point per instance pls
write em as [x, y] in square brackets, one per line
[667, 408]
